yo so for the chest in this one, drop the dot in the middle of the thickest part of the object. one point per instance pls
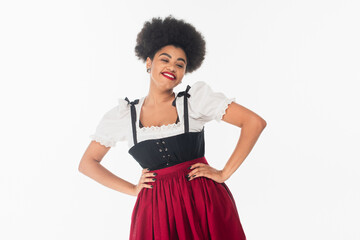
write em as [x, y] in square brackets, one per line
[158, 116]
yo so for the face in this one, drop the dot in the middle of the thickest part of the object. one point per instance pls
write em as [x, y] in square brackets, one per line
[169, 60]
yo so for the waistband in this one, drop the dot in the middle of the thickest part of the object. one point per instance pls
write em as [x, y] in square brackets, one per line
[178, 168]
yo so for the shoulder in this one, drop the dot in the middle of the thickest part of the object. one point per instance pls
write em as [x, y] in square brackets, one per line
[117, 112]
[202, 92]
[114, 125]
[199, 86]
[123, 106]
[207, 104]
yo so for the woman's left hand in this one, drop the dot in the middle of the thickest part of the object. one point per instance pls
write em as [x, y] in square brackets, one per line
[205, 170]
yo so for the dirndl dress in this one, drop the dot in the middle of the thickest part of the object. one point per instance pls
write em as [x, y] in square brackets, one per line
[175, 208]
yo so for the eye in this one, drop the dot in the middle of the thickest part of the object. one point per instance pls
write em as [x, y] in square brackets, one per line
[165, 60]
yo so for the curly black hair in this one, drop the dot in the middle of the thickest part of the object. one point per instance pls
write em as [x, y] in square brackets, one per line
[158, 33]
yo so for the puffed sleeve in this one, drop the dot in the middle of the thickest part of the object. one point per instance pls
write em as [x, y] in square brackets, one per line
[113, 126]
[205, 104]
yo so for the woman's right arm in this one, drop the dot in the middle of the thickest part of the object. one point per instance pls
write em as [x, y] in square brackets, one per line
[91, 167]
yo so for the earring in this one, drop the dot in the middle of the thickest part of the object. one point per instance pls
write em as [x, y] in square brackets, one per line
[148, 70]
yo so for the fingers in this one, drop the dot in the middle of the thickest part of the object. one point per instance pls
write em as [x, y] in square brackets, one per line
[199, 170]
[146, 185]
[196, 168]
[197, 165]
[147, 176]
[193, 173]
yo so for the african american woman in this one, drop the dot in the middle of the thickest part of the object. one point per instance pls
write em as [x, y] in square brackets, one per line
[179, 195]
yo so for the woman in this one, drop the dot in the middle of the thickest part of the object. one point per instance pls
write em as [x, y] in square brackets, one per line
[179, 195]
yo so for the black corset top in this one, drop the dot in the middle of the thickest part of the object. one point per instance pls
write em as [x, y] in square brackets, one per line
[165, 152]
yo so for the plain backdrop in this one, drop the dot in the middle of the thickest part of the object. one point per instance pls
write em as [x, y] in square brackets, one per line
[63, 64]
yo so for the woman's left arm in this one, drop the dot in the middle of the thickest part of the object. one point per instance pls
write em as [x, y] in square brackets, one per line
[251, 126]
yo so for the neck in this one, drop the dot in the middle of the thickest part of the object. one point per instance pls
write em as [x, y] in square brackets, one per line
[157, 96]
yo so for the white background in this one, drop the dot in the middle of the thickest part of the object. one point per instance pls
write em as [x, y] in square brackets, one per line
[63, 64]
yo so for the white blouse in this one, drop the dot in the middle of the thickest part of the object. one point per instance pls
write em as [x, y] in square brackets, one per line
[204, 105]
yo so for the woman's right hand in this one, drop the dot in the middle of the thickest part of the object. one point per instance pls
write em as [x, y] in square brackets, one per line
[146, 176]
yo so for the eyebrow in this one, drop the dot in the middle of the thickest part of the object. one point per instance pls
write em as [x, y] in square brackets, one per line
[181, 59]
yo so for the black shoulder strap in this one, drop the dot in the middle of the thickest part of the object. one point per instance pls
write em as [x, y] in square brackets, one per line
[186, 95]
[133, 117]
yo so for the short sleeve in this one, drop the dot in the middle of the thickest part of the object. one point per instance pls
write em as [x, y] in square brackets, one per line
[205, 104]
[113, 126]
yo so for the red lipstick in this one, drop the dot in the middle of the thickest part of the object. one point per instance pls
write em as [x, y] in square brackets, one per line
[169, 77]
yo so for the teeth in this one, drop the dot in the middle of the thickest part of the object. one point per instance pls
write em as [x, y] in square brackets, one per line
[168, 75]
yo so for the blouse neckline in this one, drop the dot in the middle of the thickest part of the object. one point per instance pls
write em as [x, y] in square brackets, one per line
[162, 127]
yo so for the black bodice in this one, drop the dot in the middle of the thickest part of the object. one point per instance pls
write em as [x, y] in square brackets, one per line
[165, 152]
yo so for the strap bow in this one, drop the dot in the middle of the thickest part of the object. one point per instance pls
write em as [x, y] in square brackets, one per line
[182, 93]
[136, 101]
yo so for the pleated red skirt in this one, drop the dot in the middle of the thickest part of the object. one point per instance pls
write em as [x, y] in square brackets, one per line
[178, 209]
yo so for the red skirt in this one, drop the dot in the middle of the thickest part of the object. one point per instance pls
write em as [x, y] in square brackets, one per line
[178, 209]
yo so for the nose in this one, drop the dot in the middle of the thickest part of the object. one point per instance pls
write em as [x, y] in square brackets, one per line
[171, 68]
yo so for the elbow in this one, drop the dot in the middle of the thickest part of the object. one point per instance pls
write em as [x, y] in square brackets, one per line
[262, 123]
[82, 166]
[86, 164]
[258, 122]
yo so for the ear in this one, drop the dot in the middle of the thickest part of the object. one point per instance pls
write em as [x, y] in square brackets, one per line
[148, 62]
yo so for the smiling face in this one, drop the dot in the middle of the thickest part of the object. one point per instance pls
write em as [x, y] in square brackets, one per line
[168, 67]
